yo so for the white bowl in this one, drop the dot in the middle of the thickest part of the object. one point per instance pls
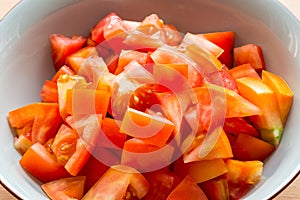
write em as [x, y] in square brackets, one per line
[25, 63]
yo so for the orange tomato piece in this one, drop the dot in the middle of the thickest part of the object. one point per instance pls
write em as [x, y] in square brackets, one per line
[65, 188]
[284, 94]
[42, 164]
[247, 147]
[187, 189]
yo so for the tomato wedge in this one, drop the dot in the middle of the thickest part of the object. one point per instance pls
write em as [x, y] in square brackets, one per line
[116, 181]
[42, 164]
[62, 46]
[65, 188]
[187, 189]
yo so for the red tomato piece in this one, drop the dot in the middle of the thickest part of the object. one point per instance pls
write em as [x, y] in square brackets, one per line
[187, 189]
[247, 147]
[65, 188]
[62, 46]
[222, 78]
[42, 164]
[250, 53]
[127, 56]
[49, 92]
[63, 70]
[44, 119]
[225, 40]
[238, 125]
[107, 27]
[92, 170]
[216, 188]
[162, 183]
[111, 130]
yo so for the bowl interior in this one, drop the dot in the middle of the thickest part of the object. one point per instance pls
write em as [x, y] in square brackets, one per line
[25, 62]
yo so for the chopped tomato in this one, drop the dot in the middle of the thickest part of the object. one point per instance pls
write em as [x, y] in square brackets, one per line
[106, 28]
[151, 129]
[49, 93]
[225, 40]
[111, 130]
[222, 78]
[87, 101]
[63, 70]
[44, 118]
[65, 188]
[22, 143]
[219, 148]
[239, 125]
[202, 43]
[162, 183]
[260, 94]
[216, 188]
[62, 46]
[127, 56]
[250, 53]
[116, 181]
[75, 60]
[244, 70]
[202, 170]
[64, 144]
[247, 147]
[92, 170]
[284, 94]
[42, 164]
[187, 189]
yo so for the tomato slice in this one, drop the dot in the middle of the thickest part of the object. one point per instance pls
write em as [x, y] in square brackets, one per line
[116, 181]
[42, 164]
[65, 188]
[187, 189]
[62, 46]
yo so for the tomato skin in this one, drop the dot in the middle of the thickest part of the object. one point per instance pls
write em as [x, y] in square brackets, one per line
[42, 164]
[187, 189]
[66, 188]
[244, 70]
[62, 46]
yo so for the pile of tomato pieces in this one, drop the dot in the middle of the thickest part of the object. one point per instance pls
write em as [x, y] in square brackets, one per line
[137, 110]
